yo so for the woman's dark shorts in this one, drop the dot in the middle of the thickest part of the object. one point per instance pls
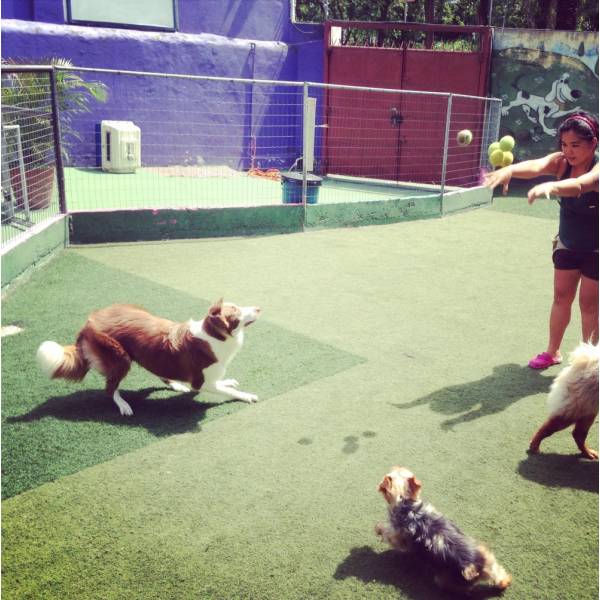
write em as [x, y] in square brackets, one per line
[586, 262]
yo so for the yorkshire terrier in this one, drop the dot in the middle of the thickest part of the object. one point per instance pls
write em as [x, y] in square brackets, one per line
[416, 526]
[573, 400]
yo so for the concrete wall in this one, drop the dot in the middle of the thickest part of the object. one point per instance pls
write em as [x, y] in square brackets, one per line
[236, 38]
[541, 77]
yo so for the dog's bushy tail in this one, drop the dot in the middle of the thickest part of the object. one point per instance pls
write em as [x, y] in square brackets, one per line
[64, 362]
[586, 352]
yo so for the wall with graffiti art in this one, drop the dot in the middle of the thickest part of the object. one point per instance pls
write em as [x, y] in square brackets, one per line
[542, 77]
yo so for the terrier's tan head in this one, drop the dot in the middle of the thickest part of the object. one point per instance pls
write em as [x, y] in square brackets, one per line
[399, 484]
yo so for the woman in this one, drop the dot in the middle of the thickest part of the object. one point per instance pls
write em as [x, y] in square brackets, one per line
[575, 251]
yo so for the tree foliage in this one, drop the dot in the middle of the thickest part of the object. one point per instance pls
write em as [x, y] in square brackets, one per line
[569, 15]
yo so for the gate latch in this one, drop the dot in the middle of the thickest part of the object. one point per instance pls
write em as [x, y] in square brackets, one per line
[395, 117]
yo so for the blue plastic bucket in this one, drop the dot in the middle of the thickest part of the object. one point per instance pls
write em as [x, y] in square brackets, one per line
[291, 184]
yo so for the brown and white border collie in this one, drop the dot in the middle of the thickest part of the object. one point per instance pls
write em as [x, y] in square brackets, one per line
[195, 353]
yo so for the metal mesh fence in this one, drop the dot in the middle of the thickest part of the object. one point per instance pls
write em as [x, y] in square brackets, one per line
[200, 143]
[392, 136]
[29, 190]
[407, 138]
[481, 116]
[157, 140]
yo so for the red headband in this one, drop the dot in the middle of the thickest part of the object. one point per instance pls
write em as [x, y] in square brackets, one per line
[586, 120]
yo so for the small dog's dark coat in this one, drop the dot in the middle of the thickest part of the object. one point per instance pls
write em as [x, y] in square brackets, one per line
[417, 527]
[457, 552]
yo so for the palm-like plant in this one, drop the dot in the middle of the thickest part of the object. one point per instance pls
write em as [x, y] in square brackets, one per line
[26, 102]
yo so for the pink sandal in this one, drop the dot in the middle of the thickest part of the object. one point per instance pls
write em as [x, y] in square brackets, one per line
[543, 361]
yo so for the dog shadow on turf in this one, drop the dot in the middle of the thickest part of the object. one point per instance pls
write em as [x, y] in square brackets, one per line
[561, 470]
[492, 394]
[402, 571]
[160, 416]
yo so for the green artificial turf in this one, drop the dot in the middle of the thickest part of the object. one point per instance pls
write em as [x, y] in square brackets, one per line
[516, 202]
[89, 189]
[54, 428]
[412, 341]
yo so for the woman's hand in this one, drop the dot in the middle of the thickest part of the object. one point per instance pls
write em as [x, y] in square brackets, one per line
[500, 177]
[543, 190]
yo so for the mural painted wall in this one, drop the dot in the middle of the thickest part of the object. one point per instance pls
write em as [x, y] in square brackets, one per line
[542, 77]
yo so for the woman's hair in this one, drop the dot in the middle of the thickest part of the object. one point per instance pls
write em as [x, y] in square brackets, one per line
[583, 124]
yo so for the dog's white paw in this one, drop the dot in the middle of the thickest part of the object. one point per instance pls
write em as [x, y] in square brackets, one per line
[124, 407]
[234, 383]
[504, 112]
[126, 411]
[178, 386]
[247, 397]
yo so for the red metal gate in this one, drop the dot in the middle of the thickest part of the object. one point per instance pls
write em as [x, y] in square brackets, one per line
[406, 130]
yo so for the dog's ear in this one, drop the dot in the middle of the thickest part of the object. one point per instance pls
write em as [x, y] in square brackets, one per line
[385, 485]
[216, 308]
[215, 324]
[414, 487]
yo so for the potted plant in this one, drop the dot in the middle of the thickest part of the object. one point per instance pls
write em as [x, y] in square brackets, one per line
[26, 103]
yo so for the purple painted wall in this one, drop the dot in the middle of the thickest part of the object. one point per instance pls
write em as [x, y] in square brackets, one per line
[228, 38]
[266, 20]
[13, 9]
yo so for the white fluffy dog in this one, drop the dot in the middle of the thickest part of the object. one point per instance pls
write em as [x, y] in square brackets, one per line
[573, 399]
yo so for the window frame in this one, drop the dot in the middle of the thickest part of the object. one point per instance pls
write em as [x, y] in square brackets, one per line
[72, 21]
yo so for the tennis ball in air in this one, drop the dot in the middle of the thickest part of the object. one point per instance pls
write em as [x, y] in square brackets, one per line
[507, 143]
[497, 158]
[464, 137]
[493, 147]
[507, 159]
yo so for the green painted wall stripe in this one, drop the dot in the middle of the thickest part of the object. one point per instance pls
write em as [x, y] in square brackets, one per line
[30, 251]
[89, 227]
[455, 201]
[354, 214]
[163, 224]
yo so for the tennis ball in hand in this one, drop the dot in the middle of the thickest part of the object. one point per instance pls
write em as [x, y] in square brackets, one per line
[507, 143]
[493, 147]
[507, 159]
[464, 137]
[497, 158]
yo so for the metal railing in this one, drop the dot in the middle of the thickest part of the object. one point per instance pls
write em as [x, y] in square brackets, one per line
[32, 173]
[216, 142]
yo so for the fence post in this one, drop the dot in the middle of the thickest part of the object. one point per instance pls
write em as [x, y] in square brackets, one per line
[304, 149]
[60, 173]
[445, 155]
